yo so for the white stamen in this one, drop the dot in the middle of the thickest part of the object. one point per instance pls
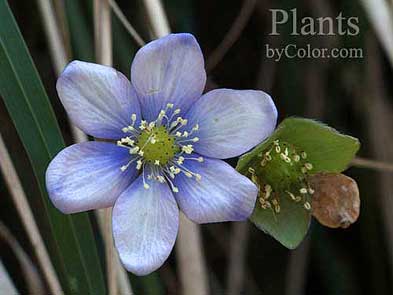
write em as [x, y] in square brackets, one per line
[173, 187]
[124, 167]
[143, 125]
[160, 178]
[134, 150]
[173, 124]
[151, 125]
[268, 188]
[159, 172]
[180, 122]
[307, 206]
[188, 149]
[174, 170]
[180, 160]
[188, 172]
[303, 190]
[169, 120]
[145, 185]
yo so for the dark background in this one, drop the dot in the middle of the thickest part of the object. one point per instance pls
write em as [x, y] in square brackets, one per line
[353, 96]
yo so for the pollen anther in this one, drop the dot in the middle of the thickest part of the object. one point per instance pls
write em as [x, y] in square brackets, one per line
[160, 147]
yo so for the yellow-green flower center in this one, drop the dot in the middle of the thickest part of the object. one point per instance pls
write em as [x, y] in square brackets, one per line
[159, 148]
[158, 145]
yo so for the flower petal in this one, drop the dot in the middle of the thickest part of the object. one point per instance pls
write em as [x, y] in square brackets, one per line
[168, 70]
[231, 122]
[98, 99]
[222, 194]
[145, 224]
[87, 176]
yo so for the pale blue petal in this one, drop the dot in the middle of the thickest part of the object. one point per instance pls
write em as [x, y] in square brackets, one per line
[98, 99]
[168, 70]
[222, 194]
[87, 176]
[231, 122]
[145, 224]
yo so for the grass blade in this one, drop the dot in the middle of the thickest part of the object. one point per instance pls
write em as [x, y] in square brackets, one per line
[26, 215]
[70, 240]
[6, 284]
[381, 18]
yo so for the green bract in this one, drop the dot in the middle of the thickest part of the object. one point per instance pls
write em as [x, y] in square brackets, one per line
[280, 167]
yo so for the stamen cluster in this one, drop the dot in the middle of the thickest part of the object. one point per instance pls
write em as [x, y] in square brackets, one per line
[161, 147]
[282, 171]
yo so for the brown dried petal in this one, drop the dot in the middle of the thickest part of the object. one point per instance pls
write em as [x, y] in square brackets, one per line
[335, 202]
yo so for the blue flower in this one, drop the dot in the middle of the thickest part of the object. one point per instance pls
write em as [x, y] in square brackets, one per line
[167, 142]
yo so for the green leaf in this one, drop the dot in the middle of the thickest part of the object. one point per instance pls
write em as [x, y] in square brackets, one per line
[70, 241]
[326, 148]
[289, 227]
[323, 147]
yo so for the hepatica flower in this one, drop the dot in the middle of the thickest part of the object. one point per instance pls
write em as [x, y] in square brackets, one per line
[164, 142]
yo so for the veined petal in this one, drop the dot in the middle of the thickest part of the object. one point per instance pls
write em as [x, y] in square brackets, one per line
[168, 70]
[145, 224]
[98, 99]
[222, 194]
[87, 176]
[231, 122]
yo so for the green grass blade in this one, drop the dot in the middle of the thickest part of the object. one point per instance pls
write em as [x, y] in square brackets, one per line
[70, 240]
[81, 34]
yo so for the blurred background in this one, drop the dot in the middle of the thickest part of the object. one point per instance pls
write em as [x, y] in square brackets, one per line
[351, 95]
